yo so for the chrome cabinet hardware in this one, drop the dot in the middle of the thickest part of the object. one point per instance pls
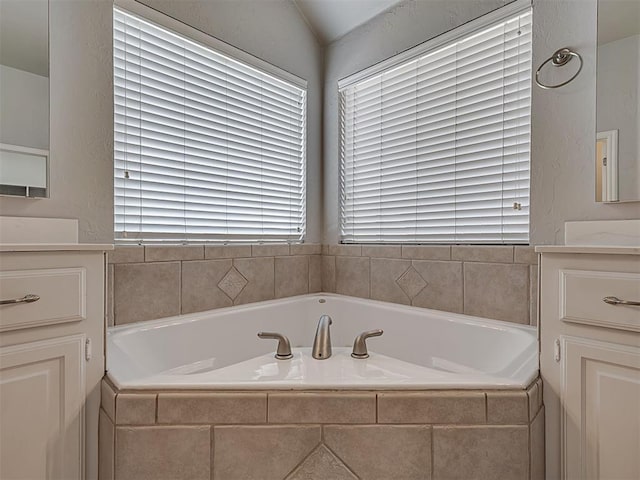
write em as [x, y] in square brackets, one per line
[29, 298]
[360, 343]
[284, 347]
[617, 301]
[322, 342]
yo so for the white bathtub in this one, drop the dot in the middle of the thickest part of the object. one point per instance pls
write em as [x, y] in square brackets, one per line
[420, 349]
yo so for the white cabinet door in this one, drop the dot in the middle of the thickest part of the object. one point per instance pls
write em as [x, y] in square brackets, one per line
[42, 391]
[601, 418]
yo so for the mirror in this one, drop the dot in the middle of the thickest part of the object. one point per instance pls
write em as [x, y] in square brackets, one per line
[24, 97]
[617, 165]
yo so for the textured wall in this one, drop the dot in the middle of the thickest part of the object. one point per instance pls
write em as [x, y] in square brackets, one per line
[81, 145]
[82, 97]
[563, 123]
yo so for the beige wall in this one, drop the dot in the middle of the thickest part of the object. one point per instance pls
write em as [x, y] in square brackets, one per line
[82, 97]
[563, 120]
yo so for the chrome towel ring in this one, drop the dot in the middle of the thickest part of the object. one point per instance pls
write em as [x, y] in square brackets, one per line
[559, 59]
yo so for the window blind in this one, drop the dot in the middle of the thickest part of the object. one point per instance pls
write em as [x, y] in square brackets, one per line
[435, 149]
[206, 146]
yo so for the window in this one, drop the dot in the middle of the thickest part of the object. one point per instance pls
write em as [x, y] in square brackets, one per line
[434, 143]
[207, 147]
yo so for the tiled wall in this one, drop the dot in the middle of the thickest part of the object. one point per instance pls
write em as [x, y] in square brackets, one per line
[497, 282]
[148, 282]
[331, 435]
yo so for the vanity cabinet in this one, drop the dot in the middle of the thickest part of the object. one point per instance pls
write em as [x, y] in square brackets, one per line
[590, 361]
[51, 360]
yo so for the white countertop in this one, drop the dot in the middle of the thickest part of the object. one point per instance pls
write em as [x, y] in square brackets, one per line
[600, 249]
[54, 247]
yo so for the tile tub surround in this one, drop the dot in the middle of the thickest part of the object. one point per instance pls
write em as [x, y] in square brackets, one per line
[322, 434]
[149, 282]
[497, 282]
[153, 281]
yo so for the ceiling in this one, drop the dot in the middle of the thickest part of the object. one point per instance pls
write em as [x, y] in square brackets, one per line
[331, 19]
[24, 35]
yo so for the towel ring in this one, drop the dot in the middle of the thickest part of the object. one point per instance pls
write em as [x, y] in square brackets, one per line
[559, 59]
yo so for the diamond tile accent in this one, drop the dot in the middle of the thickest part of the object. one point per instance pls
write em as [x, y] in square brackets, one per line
[411, 282]
[322, 464]
[232, 283]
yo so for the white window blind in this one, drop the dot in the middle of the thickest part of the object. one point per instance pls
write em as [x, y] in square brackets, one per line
[435, 149]
[206, 147]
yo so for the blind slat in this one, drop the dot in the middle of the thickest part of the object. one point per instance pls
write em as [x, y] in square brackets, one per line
[206, 147]
[437, 149]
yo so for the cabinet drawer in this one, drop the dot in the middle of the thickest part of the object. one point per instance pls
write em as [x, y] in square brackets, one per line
[582, 293]
[62, 294]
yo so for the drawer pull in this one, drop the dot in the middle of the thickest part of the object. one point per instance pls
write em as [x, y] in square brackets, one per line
[29, 298]
[617, 301]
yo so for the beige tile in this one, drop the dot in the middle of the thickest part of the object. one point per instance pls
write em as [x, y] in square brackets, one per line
[384, 274]
[305, 249]
[525, 254]
[325, 249]
[226, 251]
[262, 452]
[411, 282]
[489, 254]
[259, 273]
[533, 295]
[109, 301]
[345, 250]
[108, 399]
[432, 407]
[291, 276]
[163, 453]
[213, 408]
[444, 285]
[382, 251]
[322, 408]
[106, 440]
[535, 398]
[352, 276]
[383, 452]
[507, 407]
[481, 453]
[536, 440]
[159, 253]
[315, 273]
[146, 291]
[269, 250]
[126, 254]
[321, 465]
[136, 409]
[328, 274]
[426, 252]
[200, 285]
[232, 283]
[497, 291]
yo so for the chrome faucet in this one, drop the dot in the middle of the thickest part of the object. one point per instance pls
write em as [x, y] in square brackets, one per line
[322, 342]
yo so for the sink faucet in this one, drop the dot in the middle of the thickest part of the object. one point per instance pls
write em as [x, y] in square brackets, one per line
[322, 342]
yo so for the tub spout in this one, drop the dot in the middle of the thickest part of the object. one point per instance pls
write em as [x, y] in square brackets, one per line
[322, 342]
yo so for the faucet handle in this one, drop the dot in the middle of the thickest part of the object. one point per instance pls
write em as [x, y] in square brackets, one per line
[284, 347]
[360, 344]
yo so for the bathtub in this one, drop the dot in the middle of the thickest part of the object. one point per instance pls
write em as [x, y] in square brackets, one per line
[420, 349]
